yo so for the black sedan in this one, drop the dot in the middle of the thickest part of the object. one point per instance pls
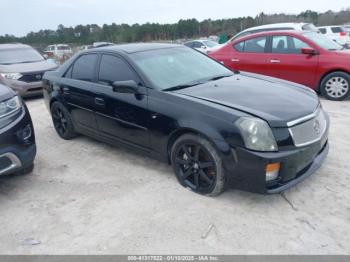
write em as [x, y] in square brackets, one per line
[217, 128]
[17, 140]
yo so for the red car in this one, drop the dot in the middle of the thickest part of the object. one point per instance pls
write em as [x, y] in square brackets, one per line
[307, 58]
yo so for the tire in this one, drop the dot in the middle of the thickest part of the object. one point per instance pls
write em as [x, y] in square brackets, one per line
[201, 169]
[62, 121]
[336, 86]
[25, 171]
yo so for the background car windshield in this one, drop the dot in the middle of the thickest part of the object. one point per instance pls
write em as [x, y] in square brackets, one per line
[19, 55]
[210, 43]
[323, 41]
[63, 47]
[167, 68]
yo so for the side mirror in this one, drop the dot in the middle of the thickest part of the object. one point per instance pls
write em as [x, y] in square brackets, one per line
[203, 47]
[45, 56]
[126, 87]
[309, 51]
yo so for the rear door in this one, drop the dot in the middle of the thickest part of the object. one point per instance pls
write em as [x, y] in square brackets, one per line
[76, 88]
[120, 116]
[250, 55]
[288, 62]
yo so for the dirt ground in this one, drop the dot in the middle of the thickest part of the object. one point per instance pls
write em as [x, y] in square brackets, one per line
[86, 197]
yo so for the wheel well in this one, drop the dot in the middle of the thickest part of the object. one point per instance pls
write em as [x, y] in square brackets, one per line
[330, 72]
[179, 133]
[53, 100]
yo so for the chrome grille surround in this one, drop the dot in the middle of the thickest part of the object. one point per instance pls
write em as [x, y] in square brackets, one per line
[310, 131]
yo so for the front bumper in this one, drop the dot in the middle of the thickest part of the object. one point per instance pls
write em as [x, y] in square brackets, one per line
[17, 148]
[25, 89]
[297, 163]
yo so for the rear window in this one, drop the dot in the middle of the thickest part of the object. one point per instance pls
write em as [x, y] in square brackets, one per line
[63, 48]
[337, 29]
[255, 45]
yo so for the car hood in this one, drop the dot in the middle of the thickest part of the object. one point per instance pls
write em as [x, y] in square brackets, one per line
[5, 93]
[276, 101]
[40, 66]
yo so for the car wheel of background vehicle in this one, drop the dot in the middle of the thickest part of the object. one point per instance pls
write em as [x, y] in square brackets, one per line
[25, 171]
[62, 121]
[197, 165]
[336, 86]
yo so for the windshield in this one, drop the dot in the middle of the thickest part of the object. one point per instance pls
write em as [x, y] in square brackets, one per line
[168, 68]
[19, 55]
[63, 47]
[210, 43]
[323, 41]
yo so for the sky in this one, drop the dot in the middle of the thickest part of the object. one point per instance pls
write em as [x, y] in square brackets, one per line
[19, 17]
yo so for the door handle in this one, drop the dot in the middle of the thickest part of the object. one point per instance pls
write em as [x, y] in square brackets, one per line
[275, 61]
[99, 101]
[235, 60]
[65, 90]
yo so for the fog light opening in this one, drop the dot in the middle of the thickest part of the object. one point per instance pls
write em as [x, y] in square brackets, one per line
[272, 171]
[25, 134]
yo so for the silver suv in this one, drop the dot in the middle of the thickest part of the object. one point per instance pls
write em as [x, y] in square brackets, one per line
[22, 68]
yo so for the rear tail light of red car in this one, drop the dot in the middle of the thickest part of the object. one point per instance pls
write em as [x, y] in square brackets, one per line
[343, 33]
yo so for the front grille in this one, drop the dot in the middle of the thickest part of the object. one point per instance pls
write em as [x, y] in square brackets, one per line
[309, 131]
[32, 77]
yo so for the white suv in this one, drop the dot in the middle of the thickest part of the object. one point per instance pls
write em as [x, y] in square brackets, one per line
[60, 52]
[337, 33]
[276, 27]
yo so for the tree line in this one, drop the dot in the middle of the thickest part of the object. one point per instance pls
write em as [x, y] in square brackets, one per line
[183, 29]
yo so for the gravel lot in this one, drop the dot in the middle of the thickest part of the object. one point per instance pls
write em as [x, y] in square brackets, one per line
[85, 197]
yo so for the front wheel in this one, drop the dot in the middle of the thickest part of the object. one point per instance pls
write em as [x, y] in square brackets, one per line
[197, 165]
[336, 86]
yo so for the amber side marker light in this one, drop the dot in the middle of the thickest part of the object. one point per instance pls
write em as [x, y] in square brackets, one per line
[272, 171]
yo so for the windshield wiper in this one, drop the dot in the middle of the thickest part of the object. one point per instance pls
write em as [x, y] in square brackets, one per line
[27, 62]
[178, 87]
[218, 77]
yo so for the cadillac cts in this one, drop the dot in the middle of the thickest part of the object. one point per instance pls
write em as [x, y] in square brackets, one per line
[216, 127]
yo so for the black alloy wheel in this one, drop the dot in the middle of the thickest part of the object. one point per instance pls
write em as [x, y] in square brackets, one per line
[195, 162]
[62, 121]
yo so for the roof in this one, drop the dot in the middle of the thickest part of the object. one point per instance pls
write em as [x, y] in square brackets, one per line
[13, 46]
[270, 33]
[293, 25]
[138, 47]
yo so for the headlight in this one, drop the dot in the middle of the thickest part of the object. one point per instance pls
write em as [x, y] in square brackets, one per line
[9, 106]
[257, 134]
[12, 76]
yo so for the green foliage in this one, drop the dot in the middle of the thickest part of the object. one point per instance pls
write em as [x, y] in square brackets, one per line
[183, 29]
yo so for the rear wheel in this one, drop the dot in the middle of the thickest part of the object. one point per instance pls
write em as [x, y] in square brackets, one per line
[336, 86]
[62, 121]
[197, 165]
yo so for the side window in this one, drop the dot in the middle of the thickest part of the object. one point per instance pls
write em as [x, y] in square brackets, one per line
[197, 45]
[189, 44]
[114, 69]
[323, 30]
[255, 45]
[68, 74]
[297, 45]
[239, 47]
[280, 44]
[287, 45]
[84, 68]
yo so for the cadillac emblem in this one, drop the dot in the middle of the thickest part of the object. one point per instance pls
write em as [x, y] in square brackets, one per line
[317, 127]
